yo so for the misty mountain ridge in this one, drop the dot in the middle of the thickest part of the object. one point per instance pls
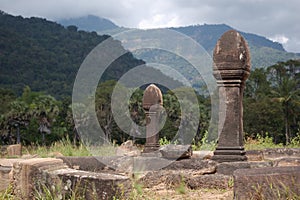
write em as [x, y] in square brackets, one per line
[264, 52]
[89, 23]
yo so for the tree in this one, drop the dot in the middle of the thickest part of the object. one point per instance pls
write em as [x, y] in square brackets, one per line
[261, 115]
[285, 90]
[26, 111]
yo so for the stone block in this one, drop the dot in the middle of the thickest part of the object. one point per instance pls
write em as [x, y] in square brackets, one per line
[216, 181]
[5, 178]
[150, 163]
[92, 185]
[11, 150]
[267, 183]
[195, 164]
[28, 175]
[85, 163]
[227, 168]
[173, 151]
[203, 154]
[254, 155]
[32, 176]
[128, 149]
[275, 153]
[285, 162]
[14, 150]
[260, 164]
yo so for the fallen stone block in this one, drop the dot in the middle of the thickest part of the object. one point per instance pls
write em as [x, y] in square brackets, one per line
[11, 150]
[29, 174]
[173, 151]
[5, 178]
[35, 177]
[128, 149]
[275, 153]
[267, 183]
[177, 172]
[91, 185]
[203, 154]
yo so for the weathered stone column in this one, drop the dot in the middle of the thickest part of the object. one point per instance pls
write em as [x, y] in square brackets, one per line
[152, 104]
[231, 69]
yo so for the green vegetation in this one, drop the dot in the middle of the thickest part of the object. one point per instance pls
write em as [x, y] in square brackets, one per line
[63, 147]
[7, 194]
[38, 63]
[272, 102]
[275, 190]
[271, 107]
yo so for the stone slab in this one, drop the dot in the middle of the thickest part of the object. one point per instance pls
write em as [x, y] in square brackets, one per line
[215, 181]
[85, 163]
[227, 168]
[173, 151]
[195, 164]
[267, 183]
[254, 155]
[275, 153]
[94, 185]
[260, 164]
[27, 173]
[32, 176]
[285, 162]
[9, 162]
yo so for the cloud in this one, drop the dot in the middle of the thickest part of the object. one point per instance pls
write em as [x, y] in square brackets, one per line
[264, 17]
[158, 21]
[279, 38]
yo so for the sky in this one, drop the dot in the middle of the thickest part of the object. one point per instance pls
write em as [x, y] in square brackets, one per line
[278, 20]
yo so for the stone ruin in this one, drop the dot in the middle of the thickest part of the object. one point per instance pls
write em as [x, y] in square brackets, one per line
[231, 69]
[152, 103]
[261, 174]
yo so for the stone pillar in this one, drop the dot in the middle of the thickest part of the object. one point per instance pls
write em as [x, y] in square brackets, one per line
[152, 104]
[231, 69]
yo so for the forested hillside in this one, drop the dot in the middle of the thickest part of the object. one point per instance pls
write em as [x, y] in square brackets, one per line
[46, 56]
[264, 52]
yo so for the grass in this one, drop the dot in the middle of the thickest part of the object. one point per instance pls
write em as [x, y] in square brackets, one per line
[63, 147]
[7, 194]
[274, 189]
[266, 142]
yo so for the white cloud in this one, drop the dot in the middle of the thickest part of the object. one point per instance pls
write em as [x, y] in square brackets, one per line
[280, 38]
[158, 21]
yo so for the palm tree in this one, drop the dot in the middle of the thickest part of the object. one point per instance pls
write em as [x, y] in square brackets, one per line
[285, 89]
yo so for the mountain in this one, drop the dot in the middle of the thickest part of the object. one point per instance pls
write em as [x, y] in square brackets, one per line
[89, 23]
[207, 35]
[264, 52]
[46, 56]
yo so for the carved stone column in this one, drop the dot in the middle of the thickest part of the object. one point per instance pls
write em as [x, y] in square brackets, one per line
[152, 104]
[231, 69]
